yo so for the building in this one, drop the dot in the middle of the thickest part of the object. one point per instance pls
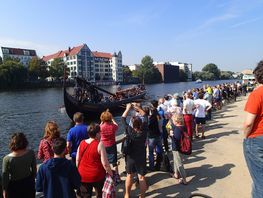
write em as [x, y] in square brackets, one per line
[23, 55]
[108, 66]
[170, 73]
[92, 66]
[134, 67]
[186, 67]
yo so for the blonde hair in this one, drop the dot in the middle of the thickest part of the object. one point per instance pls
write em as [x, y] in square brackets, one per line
[106, 116]
[51, 130]
[178, 118]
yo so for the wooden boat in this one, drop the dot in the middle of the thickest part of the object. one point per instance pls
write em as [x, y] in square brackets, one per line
[92, 111]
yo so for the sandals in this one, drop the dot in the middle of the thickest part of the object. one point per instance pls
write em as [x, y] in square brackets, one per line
[181, 181]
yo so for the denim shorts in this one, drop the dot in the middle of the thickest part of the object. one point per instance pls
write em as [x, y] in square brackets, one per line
[253, 152]
[112, 154]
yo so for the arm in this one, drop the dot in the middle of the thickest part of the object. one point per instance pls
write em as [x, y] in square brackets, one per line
[34, 164]
[104, 159]
[126, 112]
[248, 124]
[40, 154]
[5, 176]
[209, 106]
[77, 158]
[39, 180]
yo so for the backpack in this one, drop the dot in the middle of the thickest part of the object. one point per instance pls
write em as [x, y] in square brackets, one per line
[185, 143]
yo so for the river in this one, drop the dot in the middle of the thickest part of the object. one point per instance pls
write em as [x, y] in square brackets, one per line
[28, 111]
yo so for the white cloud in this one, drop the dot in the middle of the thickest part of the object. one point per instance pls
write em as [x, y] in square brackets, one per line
[245, 22]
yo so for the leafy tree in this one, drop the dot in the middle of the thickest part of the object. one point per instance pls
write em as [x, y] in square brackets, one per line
[226, 75]
[12, 74]
[37, 68]
[56, 70]
[147, 72]
[127, 74]
[197, 75]
[1, 60]
[212, 68]
[207, 76]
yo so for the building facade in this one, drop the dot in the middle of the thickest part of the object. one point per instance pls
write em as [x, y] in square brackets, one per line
[169, 73]
[108, 66]
[23, 55]
[93, 66]
[186, 67]
[134, 67]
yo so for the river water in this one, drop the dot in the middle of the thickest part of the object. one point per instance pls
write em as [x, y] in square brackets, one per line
[28, 111]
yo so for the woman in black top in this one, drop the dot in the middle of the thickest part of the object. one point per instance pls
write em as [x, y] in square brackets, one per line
[136, 158]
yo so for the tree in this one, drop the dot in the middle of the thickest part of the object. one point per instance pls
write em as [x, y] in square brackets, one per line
[212, 68]
[226, 75]
[1, 60]
[147, 72]
[37, 68]
[127, 74]
[56, 70]
[12, 74]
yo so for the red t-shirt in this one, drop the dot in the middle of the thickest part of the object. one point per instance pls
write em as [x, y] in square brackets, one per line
[254, 105]
[90, 167]
[107, 133]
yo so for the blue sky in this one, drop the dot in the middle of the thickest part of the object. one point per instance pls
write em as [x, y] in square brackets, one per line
[227, 33]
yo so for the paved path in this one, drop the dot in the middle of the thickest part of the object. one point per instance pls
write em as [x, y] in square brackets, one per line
[216, 167]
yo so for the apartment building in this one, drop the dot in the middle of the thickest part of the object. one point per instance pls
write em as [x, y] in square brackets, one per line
[23, 55]
[169, 73]
[93, 66]
[78, 59]
[108, 66]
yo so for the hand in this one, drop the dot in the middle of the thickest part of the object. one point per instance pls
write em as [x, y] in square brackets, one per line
[128, 106]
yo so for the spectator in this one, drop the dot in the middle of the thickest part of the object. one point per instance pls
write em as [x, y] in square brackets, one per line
[92, 163]
[253, 132]
[58, 177]
[154, 137]
[45, 149]
[202, 106]
[176, 127]
[136, 159]
[188, 107]
[108, 129]
[19, 169]
[162, 110]
[76, 134]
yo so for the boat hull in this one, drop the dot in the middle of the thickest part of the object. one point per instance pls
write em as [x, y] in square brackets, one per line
[92, 111]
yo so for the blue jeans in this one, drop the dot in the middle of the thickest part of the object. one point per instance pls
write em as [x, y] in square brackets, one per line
[154, 143]
[253, 152]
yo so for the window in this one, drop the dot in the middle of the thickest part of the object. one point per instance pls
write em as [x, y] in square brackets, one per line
[74, 62]
[5, 51]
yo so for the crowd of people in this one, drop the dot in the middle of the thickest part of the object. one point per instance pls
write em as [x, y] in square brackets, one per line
[93, 148]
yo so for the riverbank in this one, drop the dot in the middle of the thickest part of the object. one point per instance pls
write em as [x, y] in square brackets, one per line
[216, 167]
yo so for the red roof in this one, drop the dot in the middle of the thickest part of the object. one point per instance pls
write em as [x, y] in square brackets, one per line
[70, 52]
[102, 54]
[18, 51]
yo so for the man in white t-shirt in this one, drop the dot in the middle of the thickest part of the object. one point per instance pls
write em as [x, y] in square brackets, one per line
[202, 106]
[188, 107]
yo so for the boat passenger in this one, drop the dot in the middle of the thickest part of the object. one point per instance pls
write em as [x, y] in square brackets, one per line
[19, 169]
[45, 149]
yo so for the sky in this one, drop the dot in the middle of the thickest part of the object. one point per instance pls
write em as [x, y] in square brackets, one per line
[227, 33]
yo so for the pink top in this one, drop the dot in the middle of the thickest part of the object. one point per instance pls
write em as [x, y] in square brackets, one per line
[45, 150]
[108, 132]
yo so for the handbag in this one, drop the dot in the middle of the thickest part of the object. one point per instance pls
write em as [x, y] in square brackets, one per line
[185, 143]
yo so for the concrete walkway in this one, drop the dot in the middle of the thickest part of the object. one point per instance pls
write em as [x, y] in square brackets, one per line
[216, 167]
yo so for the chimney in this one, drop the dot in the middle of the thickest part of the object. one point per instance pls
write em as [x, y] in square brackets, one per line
[69, 49]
